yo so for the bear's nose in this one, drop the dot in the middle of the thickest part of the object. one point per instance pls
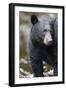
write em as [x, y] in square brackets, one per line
[49, 38]
[50, 41]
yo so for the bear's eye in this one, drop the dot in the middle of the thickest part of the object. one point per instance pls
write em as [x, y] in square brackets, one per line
[45, 30]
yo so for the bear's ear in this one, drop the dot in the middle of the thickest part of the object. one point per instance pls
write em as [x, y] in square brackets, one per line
[34, 19]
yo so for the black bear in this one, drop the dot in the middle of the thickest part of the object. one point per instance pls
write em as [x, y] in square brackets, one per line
[43, 44]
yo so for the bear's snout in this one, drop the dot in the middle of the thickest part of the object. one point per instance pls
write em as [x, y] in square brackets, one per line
[48, 39]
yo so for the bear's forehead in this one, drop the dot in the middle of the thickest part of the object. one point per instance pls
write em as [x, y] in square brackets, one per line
[45, 25]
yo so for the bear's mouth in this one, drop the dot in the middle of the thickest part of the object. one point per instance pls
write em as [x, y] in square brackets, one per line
[49, 43]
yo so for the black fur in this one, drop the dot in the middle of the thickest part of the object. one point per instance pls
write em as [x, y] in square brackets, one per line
[37, 50]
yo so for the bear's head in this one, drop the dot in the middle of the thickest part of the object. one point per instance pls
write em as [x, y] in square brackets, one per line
[47, 28]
